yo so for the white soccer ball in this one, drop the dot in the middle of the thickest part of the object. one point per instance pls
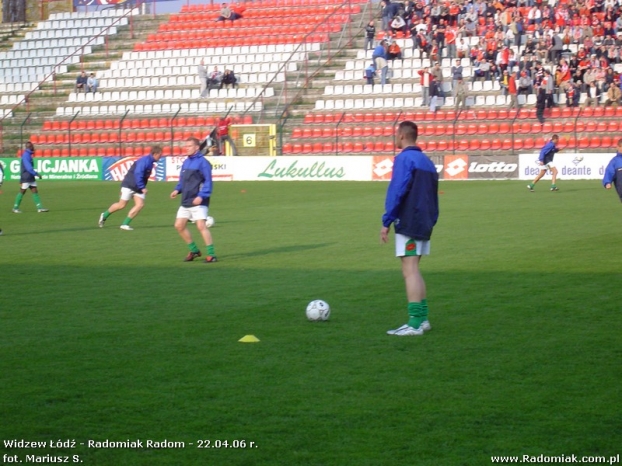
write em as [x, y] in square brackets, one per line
[579, 158]
[209, 222]
[318, 310]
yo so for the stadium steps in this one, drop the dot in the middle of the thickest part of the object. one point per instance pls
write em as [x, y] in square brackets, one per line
[42, 103]
[11, 32]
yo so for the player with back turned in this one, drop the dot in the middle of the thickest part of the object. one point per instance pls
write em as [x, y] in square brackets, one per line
[412, 207]
[546, 163]
[613, 172]
[133, 186]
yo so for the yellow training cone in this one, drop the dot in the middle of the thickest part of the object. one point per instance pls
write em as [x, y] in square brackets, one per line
[249, 339]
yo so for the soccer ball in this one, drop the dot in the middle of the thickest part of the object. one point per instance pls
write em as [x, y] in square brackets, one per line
[318, 310]
[209, 222]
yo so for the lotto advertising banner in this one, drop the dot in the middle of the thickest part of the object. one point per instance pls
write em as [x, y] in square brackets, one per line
[382, 166]
[75, 168]
[570, 166]
[479, 167]
[306, 168]
[115, 168]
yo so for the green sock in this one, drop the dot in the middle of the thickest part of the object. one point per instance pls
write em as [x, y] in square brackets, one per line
[18, 200]
[106, 215]
[127, 221]
[415, 314]
[37, 200]
[193, 247]
[424, 305]
[210, 250]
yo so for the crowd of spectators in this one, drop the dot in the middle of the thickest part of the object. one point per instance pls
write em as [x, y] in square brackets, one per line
[215, 79]
[530, 47]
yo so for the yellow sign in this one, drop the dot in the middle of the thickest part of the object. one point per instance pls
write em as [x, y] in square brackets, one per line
[249, 140]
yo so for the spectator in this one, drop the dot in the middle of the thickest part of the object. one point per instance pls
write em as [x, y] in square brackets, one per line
[398, 25]
[482, 72]
[370, 33]
[222, 135]
[229, 79]
[512, 92]
[461, 92]
[380, 52]
[227, 14]
[593, 95]
[383, 65]
[438, 76]
[82, 82]
[613, 96]
[92, 84]
[386, 9]
[394, 51]
[370, 72]
[202, 72]
[426, 79]
[214, 79]
[525, 84]
[456, 74]
[540, 104]
[549, 87]
[434, 94]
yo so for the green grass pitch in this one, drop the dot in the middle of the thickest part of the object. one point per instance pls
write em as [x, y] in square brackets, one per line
[108, 335]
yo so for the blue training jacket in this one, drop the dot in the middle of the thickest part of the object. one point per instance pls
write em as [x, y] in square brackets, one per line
[547, 152]
[412, 196]
[28, 172]
[195, 179]
[138, 175]
[613, 173]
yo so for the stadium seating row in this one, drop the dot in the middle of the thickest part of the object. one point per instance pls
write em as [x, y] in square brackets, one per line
[402, 88]
[410, 102]
[11, 99]
[175, 71]
[225, 50]
[143, 123]
[166, 94]
[43, 53]
[81, 23]
[190, 8]
[198, 21]
[113, 137]
[42, 34]
[22, 73]
[258, 58]
[184, 80]
[266, 9]
[92, 14]
[17, 87]
[460, 129]
[56, 43]
[450, 115]
[268, 39]
[157, 109]
[36, 62]
[464, 145]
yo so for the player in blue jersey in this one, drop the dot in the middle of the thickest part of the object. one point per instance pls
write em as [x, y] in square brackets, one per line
[27, 180]
[546, 163]
[133, 186]
[412, 207]
[195, 187]
[613, 172]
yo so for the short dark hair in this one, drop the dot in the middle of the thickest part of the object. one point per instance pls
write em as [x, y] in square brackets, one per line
[194, 140]
[156, 149]
[30, 146]
[409, 130]
[555, 137]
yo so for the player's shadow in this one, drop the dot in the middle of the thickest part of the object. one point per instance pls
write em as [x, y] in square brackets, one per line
[280, 250]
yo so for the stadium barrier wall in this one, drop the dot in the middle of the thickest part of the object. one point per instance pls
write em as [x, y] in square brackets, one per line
[321, 168]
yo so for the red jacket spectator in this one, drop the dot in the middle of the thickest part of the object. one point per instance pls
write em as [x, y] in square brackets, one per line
[223, 126]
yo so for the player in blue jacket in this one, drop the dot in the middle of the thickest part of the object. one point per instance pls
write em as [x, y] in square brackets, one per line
[27, 180]
[412, 207]
[613, 172]
[195, 187]
[546, 161]
[133, 186]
